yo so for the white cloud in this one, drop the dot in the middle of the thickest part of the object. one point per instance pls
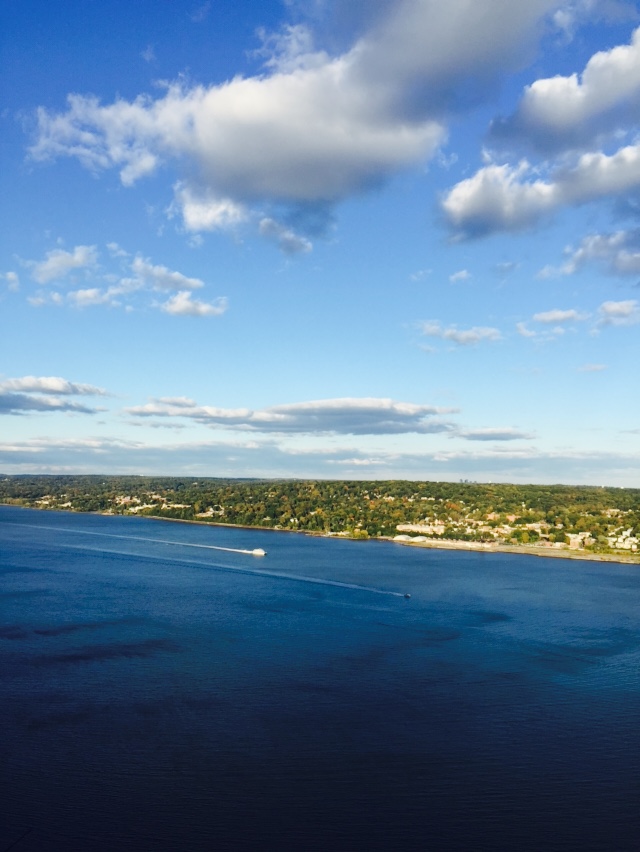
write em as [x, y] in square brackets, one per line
[182, 304]
[508, 198]
[494, 434]
[314, 128]
[523, 331]
[575, 12]
[506, 267]
[49, 298]
[45, 394]
[202, 211]
[619, 252]
[626, 312]
[149, 54]
[51, 385]
[291, 49]
[462, 337]
[558, 315]
[462, 275]
[495, 199]
[287, 240]
[200, 13]
[12, 279]
[560, 113]
[161, 278]
[114, 290]
[59, 263]
[268, 459]
[297, 138]
[95, 296]
[331, 416]
[116, 251]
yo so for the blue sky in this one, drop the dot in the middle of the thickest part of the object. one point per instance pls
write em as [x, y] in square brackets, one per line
[321, 238]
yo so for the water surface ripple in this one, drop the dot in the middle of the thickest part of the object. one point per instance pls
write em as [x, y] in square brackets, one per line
[158, 694]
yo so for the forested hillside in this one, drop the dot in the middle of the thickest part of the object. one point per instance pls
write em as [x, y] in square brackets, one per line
[593, 518]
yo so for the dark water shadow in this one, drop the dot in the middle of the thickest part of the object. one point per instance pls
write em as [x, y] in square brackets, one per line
[101, 653]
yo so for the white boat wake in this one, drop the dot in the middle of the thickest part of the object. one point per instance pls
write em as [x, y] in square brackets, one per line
[299, 578]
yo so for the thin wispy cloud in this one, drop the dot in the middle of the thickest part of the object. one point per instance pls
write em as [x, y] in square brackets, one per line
[59, 263]
[558, 315]
[460, 336]
[592, 368]
[183, 304]
[287, 240]
[12, 281]
[130, 284]
[618, 253]
[495, 434]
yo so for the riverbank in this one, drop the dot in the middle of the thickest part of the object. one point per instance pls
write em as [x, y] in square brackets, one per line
[434, 544]
[524, 549]
[440, 544]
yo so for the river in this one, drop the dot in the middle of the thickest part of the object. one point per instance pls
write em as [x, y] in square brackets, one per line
[158, 694]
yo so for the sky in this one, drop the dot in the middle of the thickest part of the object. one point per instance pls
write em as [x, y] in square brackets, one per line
[321, 239]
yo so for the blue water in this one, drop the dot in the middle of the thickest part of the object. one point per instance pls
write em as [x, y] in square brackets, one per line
[157, 696]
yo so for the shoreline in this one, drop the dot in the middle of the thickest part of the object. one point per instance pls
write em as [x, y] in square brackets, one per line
[532, 550]
[431, 544]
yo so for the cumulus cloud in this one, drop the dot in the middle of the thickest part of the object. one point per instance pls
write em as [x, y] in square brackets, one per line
[314, 128]
[568, 120]
[287, 240]
[511, 198]
[626, 312]
[462, 275]
[182, 304]
[203, 211]
[496, 199]
[331, 416]
[45, 393]
[459, 336]
[576, 111]
[59, 263]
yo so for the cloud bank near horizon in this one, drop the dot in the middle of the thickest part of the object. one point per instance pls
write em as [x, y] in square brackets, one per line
[45, 394]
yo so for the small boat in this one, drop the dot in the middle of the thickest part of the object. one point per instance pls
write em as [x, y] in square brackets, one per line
[258, 551]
